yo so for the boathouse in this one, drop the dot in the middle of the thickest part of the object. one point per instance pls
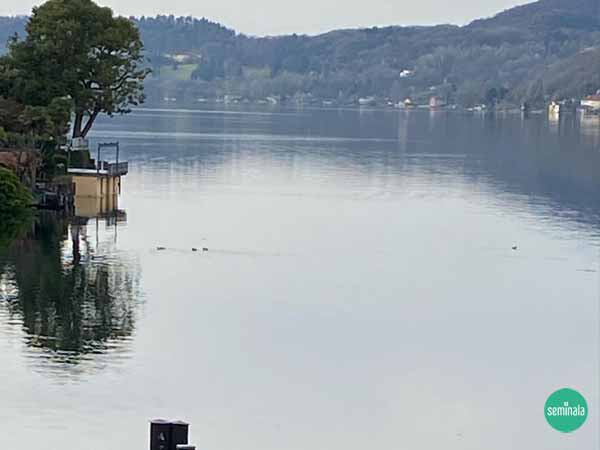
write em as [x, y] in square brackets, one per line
[99, 179]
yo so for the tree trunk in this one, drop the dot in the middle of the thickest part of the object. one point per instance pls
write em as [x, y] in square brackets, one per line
[88, 125]
[77, 124]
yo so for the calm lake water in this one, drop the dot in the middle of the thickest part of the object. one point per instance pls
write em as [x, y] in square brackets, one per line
[360, 290]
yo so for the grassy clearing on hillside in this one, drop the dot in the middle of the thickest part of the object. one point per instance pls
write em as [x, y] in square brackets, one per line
[183, 72]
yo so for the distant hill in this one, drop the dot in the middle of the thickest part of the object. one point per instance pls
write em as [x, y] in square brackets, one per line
[529, 53]
[546, 15]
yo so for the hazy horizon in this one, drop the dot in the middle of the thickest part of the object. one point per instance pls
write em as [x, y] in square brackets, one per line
[300, 17]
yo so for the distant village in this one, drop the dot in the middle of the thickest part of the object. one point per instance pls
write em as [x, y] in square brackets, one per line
[177, 83]
[589, 105]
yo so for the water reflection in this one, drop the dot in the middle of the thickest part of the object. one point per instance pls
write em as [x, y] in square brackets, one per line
[74, 294]
[100, 207]
[11, 227]
[551, 166]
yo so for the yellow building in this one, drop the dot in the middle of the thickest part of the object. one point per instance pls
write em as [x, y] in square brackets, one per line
[98, 183]
[95, 179]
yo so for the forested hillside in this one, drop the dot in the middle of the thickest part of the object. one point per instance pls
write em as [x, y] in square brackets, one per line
[550, 48]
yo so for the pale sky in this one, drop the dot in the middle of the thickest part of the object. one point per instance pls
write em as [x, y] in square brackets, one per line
[261, 17]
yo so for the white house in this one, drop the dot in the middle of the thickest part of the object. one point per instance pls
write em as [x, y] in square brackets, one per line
[436, 102]
[591, 102]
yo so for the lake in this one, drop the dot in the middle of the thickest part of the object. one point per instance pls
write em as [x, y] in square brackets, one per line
[360, 288]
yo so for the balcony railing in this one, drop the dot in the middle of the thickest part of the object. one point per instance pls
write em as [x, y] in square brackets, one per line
[114, 169]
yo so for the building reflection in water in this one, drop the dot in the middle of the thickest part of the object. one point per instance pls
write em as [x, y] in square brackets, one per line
[98, 207]
[74, 293]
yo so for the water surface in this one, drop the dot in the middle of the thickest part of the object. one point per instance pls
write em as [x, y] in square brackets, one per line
[359, 291]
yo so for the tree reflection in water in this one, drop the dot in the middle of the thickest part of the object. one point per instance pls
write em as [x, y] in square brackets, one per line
[77, 295]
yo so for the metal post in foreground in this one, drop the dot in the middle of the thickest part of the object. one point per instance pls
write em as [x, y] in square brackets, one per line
[160, 434]
[179, 434]
[168, 435]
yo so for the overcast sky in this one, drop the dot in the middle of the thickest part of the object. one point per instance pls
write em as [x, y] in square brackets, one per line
[260, 17]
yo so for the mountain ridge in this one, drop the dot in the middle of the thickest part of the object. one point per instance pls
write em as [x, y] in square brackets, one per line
[516, 55]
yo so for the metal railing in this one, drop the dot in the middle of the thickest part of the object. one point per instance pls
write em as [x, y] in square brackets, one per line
[112, 169]
[117, 169]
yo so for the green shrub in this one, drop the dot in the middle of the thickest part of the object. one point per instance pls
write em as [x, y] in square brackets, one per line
[14, 207]
[14, 197]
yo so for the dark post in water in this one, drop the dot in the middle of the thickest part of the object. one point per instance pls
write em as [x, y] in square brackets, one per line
[167, 435]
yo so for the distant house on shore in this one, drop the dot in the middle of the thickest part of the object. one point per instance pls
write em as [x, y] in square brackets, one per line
[436, 102]
[559, 107]
[407, 103]
[232, 99]
[180, 58]
[366, 101]
[554, 109]
[591, 102]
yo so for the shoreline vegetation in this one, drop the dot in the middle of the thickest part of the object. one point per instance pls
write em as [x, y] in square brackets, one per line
[15, 202]
[73, 61]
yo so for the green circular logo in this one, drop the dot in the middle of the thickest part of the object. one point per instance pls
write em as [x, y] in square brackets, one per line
[566, 410]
